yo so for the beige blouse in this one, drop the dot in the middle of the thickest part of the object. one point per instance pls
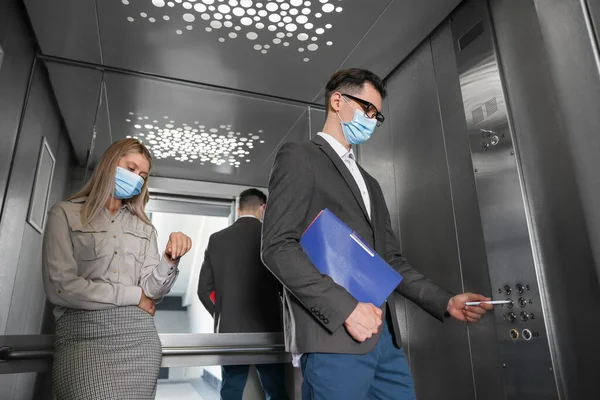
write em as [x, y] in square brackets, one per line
[104, 264]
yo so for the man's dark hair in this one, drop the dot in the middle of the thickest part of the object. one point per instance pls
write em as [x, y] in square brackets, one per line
[251, 199]
[352, 81]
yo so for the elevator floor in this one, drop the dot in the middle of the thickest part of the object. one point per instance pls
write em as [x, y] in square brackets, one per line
[189, 390]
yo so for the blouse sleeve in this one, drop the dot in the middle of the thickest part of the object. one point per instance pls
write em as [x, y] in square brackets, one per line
[157, 275]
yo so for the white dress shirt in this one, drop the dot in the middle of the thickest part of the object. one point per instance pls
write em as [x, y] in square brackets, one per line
[248, 216]
[349, 160]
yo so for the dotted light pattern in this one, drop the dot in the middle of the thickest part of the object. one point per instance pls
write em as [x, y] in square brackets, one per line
[266, 23]
[193, 143]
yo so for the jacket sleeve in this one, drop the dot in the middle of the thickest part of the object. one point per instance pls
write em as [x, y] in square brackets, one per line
[62, 284]
[414, 286]
[157, 275]
[291, 187]
[206, 282]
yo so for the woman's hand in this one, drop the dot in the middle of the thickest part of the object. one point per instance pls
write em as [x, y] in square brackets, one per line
[147, 304]
[178, 245]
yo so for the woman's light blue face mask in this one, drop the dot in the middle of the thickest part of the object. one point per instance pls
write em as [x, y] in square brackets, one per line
[360, 129]
[127, 184]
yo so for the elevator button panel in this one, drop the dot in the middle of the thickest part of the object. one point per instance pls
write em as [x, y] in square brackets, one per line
[520, 298]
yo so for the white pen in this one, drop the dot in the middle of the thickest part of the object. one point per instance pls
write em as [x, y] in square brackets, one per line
[476, 303]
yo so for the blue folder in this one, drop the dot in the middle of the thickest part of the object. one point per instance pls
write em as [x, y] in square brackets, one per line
[340, 253]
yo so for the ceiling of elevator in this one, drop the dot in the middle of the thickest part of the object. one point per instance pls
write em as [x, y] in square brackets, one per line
[239, 73]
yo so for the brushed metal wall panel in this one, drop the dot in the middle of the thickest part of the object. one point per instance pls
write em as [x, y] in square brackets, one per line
[487, 371]
[66, 28]
[578, 87]
[549, 92]
[77, 90]
[18, 45]
[317, 121]
[427, 225]
[22, 295]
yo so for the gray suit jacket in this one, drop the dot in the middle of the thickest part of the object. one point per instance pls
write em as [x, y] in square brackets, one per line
[306, 178]
[247, 294]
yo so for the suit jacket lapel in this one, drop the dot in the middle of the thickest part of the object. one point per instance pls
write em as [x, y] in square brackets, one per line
[371, 190]
[343, 170]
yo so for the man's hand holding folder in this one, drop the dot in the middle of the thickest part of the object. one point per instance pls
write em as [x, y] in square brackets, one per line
[338, 252]
[364, 321]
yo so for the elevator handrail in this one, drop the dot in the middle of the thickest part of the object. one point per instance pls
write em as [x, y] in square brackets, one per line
[34, 353]
[11, 354]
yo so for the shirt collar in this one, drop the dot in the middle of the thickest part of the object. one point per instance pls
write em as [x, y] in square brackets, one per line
[79, 199]
[337, 146]
[83, 199]
[247, 216]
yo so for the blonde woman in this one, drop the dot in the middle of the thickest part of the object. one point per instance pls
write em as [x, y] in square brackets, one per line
[103, 273]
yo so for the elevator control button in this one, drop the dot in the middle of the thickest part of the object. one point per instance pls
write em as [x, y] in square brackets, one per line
[511, 316]
[522, 302]
[514, 334]
[507, 290]
[520, 288]
[527, 334]
[511, 304]
[524, 316]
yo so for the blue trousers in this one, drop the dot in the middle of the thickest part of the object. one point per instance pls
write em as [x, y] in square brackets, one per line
[381, 374]
[272, 380]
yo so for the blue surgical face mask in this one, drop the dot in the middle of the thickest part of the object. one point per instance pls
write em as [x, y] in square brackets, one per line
[360, 129]
[127, 184]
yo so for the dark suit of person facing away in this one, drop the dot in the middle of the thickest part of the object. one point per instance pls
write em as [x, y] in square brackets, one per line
[247, 295]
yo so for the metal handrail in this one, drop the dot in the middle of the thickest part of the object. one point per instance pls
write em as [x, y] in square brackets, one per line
[10, 354]
[186, 351]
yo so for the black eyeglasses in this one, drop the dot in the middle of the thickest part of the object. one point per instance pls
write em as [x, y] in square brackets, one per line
[370, 110]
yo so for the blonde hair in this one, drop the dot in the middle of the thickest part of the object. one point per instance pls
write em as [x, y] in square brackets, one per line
[101, 185]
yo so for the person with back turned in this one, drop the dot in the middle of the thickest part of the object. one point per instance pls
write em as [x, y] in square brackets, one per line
[346, 349]
[247, 296]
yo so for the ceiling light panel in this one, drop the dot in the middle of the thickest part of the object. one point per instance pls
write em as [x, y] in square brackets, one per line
[166, 138]
[266, 25]
[199, 133]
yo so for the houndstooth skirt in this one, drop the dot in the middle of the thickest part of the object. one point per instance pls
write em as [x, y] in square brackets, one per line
[106, 355]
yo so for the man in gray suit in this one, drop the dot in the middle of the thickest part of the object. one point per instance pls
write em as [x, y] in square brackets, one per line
[346, 349]
[247, 296]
